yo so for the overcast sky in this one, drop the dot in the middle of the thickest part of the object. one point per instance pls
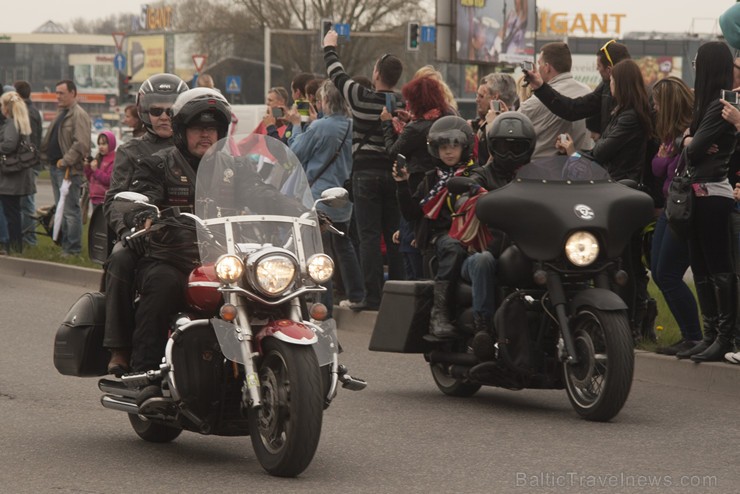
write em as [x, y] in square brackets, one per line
[640, 15]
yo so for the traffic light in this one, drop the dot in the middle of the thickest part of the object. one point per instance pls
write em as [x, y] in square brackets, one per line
[414, 36]
[127, 90]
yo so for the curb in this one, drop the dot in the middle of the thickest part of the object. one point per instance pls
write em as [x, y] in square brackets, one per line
[715, 377]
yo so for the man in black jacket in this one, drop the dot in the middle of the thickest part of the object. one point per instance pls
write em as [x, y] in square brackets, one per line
[154, 99]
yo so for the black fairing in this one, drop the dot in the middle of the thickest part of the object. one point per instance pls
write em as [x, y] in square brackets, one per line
[540, 208]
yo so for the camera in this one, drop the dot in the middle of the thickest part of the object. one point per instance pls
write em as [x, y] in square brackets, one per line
[729, 96]
[527, 66]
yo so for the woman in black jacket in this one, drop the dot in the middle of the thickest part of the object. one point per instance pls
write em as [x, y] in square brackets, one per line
[709, 240]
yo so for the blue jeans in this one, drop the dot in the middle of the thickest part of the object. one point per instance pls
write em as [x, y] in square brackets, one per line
[4, 234]
[479, 270]
[28, 211]
[376, 212]
[345, 258]
[669, 262]
[72, 220]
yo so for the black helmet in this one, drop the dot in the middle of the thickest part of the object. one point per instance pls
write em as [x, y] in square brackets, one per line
[199, 105]
[511, 139]
[451, 130]
[159, 88]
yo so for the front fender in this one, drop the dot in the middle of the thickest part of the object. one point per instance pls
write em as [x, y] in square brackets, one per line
[288, 331]
[598, 298]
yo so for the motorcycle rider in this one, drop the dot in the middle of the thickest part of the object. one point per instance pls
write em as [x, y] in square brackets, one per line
[511, 140]
[156, 95]
[430, 208]
[200, 117]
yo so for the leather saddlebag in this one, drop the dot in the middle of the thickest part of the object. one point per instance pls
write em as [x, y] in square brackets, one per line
[78, 345]
[403, 318]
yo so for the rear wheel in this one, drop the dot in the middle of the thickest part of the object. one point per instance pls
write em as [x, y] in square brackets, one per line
[452, 386]
[598, 385]
[285, 431]
[153, 432]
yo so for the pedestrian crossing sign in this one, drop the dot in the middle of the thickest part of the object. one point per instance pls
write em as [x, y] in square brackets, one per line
[233, 84]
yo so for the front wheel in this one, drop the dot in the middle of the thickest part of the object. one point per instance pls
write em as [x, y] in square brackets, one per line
[598, 385]
[285, 431]
[151, 431]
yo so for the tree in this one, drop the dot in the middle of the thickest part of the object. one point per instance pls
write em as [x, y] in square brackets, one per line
[240, 23]
[108, 25]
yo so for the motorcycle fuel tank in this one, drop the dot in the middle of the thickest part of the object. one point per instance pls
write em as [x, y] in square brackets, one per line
[202, 292]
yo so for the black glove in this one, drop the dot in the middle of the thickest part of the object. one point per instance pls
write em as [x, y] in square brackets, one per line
[324, 220]
[141, 217]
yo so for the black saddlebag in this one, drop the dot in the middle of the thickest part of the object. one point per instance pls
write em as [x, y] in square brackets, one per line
[403, 318]
[513, 326]
[78, 345]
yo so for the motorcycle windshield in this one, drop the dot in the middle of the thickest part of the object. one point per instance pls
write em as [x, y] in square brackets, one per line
[563, 168]
[251, 192]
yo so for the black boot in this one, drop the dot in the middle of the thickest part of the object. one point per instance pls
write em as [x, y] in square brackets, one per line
[707, 296]
[440, 324]
[637, 317]
[648, 321]
[726, 284]
[484, 339]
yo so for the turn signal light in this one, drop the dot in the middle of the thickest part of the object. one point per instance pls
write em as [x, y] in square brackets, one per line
[228, 312]
[318, 312]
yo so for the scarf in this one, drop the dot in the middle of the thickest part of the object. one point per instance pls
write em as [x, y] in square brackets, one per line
[435, 200]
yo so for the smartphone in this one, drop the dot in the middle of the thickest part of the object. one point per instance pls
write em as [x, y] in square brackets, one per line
[563, 139]
[277, 112]
[527, 65]
[730, 96]
[390, 102]
[303, 107]
[496, 105]
[401, 161]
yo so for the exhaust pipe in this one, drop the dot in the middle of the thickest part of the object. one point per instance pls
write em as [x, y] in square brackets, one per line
[117, 388]
[120, 403]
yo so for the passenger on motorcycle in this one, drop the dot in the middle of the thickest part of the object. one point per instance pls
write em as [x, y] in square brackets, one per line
[200, 117]
[156, 95]
[430, 208]
[511, 140]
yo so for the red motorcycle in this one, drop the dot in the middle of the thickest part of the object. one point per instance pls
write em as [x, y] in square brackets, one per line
[250, 357]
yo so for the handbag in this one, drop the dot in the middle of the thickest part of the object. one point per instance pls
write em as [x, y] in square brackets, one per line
[680, 202]
[26, 155]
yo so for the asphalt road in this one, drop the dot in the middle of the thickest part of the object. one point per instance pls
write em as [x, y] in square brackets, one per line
[399, 435]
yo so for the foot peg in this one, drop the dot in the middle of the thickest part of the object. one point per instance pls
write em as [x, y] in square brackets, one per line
[349, 382]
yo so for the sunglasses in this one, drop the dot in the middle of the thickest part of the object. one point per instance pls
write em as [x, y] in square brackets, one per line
[157, 112]
[606, 51]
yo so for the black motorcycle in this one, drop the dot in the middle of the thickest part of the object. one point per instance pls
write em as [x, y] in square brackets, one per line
[559, 323]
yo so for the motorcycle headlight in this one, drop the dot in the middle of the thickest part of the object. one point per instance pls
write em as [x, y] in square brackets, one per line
[229, 268]
[320, 268]
[582, 248]
[274, 274]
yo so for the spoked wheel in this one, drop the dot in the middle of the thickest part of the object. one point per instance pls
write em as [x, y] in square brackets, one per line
[452, 386]
[151, 431]
[598, 385]
[285, 431]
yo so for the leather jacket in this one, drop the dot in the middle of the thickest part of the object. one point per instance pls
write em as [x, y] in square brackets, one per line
[713, 129]
[621, 147]
[129, 156]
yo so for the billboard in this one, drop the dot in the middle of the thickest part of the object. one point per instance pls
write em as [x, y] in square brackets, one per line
[146, 56]
[495, 31]
[653, 68]
[94, 73]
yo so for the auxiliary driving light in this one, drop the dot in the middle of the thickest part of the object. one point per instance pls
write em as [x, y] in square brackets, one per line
[320, 268]
[229, 268]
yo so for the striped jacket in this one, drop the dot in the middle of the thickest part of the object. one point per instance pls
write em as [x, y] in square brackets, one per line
[366, 106]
